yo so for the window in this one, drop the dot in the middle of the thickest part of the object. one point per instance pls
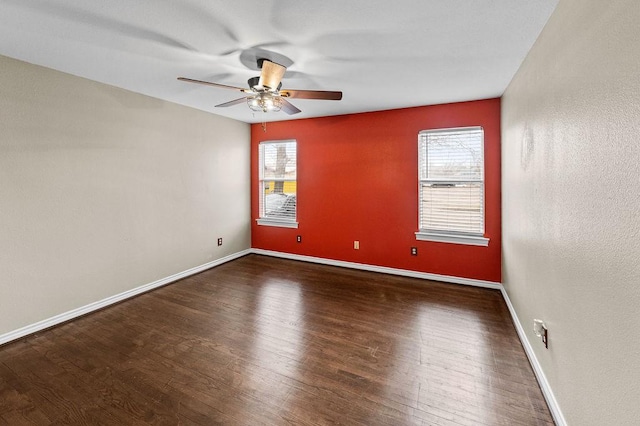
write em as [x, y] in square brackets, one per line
[277, 175]
[451, 186]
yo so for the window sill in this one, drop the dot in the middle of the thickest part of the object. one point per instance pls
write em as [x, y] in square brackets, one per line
[278, 223]
[468, 240]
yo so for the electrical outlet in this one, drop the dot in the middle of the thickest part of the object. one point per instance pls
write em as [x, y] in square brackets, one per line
[356, 245]
[414, 251]
[299, 238]
[540, 330]
[219, 241]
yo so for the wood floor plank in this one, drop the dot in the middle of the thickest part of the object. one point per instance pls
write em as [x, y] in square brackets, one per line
[271, 341]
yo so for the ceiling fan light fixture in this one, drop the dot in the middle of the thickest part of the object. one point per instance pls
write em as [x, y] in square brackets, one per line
[264, 102]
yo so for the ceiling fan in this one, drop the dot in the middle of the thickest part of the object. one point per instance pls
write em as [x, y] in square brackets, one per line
[264, 92]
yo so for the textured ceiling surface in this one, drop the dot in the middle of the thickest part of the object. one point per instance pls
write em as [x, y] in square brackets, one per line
[381, 54]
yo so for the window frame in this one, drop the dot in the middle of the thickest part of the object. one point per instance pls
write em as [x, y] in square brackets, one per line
[262, 218]
[442, 235]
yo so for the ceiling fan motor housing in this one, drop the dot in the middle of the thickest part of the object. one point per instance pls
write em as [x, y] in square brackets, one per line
[253, 82]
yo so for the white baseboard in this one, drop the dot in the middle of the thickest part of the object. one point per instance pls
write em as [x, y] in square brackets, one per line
[381, 269]
[556, 413]
[75, 313]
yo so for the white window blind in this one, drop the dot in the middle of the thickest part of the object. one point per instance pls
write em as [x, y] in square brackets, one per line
[278, 184]
[451, 186]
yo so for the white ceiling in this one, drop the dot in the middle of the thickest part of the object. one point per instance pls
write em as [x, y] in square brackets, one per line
[382, 54]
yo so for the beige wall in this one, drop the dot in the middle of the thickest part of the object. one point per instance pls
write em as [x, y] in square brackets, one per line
[571, 206]
[103, 190]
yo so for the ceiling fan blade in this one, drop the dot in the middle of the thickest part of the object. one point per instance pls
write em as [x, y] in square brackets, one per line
[312, 94]
[232, 103]
[208, 83]
[271, 74]
[288, 107]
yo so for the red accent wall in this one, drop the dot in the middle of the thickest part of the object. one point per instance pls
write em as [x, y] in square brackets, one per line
[358, 180]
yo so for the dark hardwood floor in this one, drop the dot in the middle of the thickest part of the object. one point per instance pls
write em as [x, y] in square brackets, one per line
[269, 341]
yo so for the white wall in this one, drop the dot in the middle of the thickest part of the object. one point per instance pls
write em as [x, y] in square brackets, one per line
[103, 190]
[571, 206]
